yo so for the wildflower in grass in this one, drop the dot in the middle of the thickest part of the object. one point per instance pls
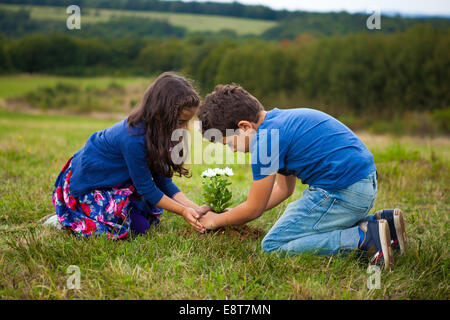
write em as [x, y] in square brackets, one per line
[215, 188]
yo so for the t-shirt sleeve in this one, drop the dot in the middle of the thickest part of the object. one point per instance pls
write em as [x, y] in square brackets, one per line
[166, 185]
[268, 153]
[135, 155]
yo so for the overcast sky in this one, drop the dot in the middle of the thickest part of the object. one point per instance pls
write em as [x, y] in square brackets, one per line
[428, 7]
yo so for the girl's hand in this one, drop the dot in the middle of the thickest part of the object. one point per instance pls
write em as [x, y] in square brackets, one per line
[192, 216]
[208, 220]
[203, 209]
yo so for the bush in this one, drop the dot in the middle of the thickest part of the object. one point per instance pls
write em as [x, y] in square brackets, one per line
[160, 56]
[259, 67]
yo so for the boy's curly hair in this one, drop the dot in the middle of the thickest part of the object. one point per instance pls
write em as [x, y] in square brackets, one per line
[226, 106]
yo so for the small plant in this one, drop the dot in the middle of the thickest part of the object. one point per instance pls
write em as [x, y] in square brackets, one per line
[215, 191]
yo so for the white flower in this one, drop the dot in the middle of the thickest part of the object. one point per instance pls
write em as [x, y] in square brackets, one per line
[208, 173]
[228, 171]
[217, 172]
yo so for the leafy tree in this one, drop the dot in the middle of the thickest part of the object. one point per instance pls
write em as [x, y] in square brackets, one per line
[160, 56]
[5, 59]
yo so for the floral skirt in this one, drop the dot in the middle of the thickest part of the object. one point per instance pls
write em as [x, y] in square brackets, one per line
[104, 211]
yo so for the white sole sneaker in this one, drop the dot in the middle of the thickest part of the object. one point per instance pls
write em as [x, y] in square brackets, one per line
[385, 239]
[52, 221]
[399, 224]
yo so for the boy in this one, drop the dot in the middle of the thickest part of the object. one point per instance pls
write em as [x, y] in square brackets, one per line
[312, 146]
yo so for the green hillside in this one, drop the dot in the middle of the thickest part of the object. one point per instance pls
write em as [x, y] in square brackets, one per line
[192, 22]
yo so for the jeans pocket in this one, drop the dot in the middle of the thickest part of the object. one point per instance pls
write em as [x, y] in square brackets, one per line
[323, 223]
[316, 197]
[323, 192]
[355, 201]
[359, 196]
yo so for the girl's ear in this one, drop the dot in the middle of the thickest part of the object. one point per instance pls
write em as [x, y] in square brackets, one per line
[245, 125]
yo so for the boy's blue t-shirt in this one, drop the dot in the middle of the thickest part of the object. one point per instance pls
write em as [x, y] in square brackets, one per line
[312, 145]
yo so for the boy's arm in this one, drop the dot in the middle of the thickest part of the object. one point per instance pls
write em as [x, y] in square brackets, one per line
[251, 209]
[282, 189]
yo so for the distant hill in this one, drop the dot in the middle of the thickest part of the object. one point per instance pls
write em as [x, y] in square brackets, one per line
[413, 15]
[235, 18]
[341, 23]
[234, 9]
[40, 19]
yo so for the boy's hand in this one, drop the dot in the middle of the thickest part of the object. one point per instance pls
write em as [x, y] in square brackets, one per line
[208, 220]
[191, 216]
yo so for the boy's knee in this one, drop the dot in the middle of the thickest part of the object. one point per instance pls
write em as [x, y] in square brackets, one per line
[269, 245]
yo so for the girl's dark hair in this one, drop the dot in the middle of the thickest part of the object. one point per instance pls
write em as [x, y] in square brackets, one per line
[158, 112]
[226, 106]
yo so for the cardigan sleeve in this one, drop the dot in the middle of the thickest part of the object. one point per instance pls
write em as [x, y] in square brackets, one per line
[166, 185]
[135, 155]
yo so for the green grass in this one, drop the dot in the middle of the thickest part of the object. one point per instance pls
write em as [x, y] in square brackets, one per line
[192, 22]
[174, 262]
[12, 86]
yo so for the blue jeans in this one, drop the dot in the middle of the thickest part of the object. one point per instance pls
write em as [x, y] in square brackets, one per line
[323, 222]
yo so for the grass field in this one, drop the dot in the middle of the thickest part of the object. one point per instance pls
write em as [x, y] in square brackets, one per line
[12, 86]
[192, 22]
[173, 262]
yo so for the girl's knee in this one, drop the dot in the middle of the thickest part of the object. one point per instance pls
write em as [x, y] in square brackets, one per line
[139, 224]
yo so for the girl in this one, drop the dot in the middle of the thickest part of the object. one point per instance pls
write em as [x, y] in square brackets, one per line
[121, 179]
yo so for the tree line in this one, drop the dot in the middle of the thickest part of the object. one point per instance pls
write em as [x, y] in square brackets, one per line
[340, 23]
[357, 73]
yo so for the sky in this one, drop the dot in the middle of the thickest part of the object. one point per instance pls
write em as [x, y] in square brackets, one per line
[405, 7]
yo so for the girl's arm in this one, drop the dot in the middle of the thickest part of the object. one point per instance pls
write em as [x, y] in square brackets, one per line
[189, 214]
[135, 157]
[172, 191]
[181, 198]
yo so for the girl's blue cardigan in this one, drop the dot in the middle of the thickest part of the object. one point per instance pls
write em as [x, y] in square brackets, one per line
[114, 157]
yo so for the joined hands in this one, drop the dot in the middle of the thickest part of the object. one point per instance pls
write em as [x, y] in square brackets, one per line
[202, 219]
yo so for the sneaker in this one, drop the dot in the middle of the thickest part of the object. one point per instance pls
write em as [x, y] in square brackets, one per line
[397, 227]
[51, 220]
[377, 243]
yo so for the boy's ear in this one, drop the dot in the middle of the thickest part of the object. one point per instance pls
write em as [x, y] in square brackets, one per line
[245, 125]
